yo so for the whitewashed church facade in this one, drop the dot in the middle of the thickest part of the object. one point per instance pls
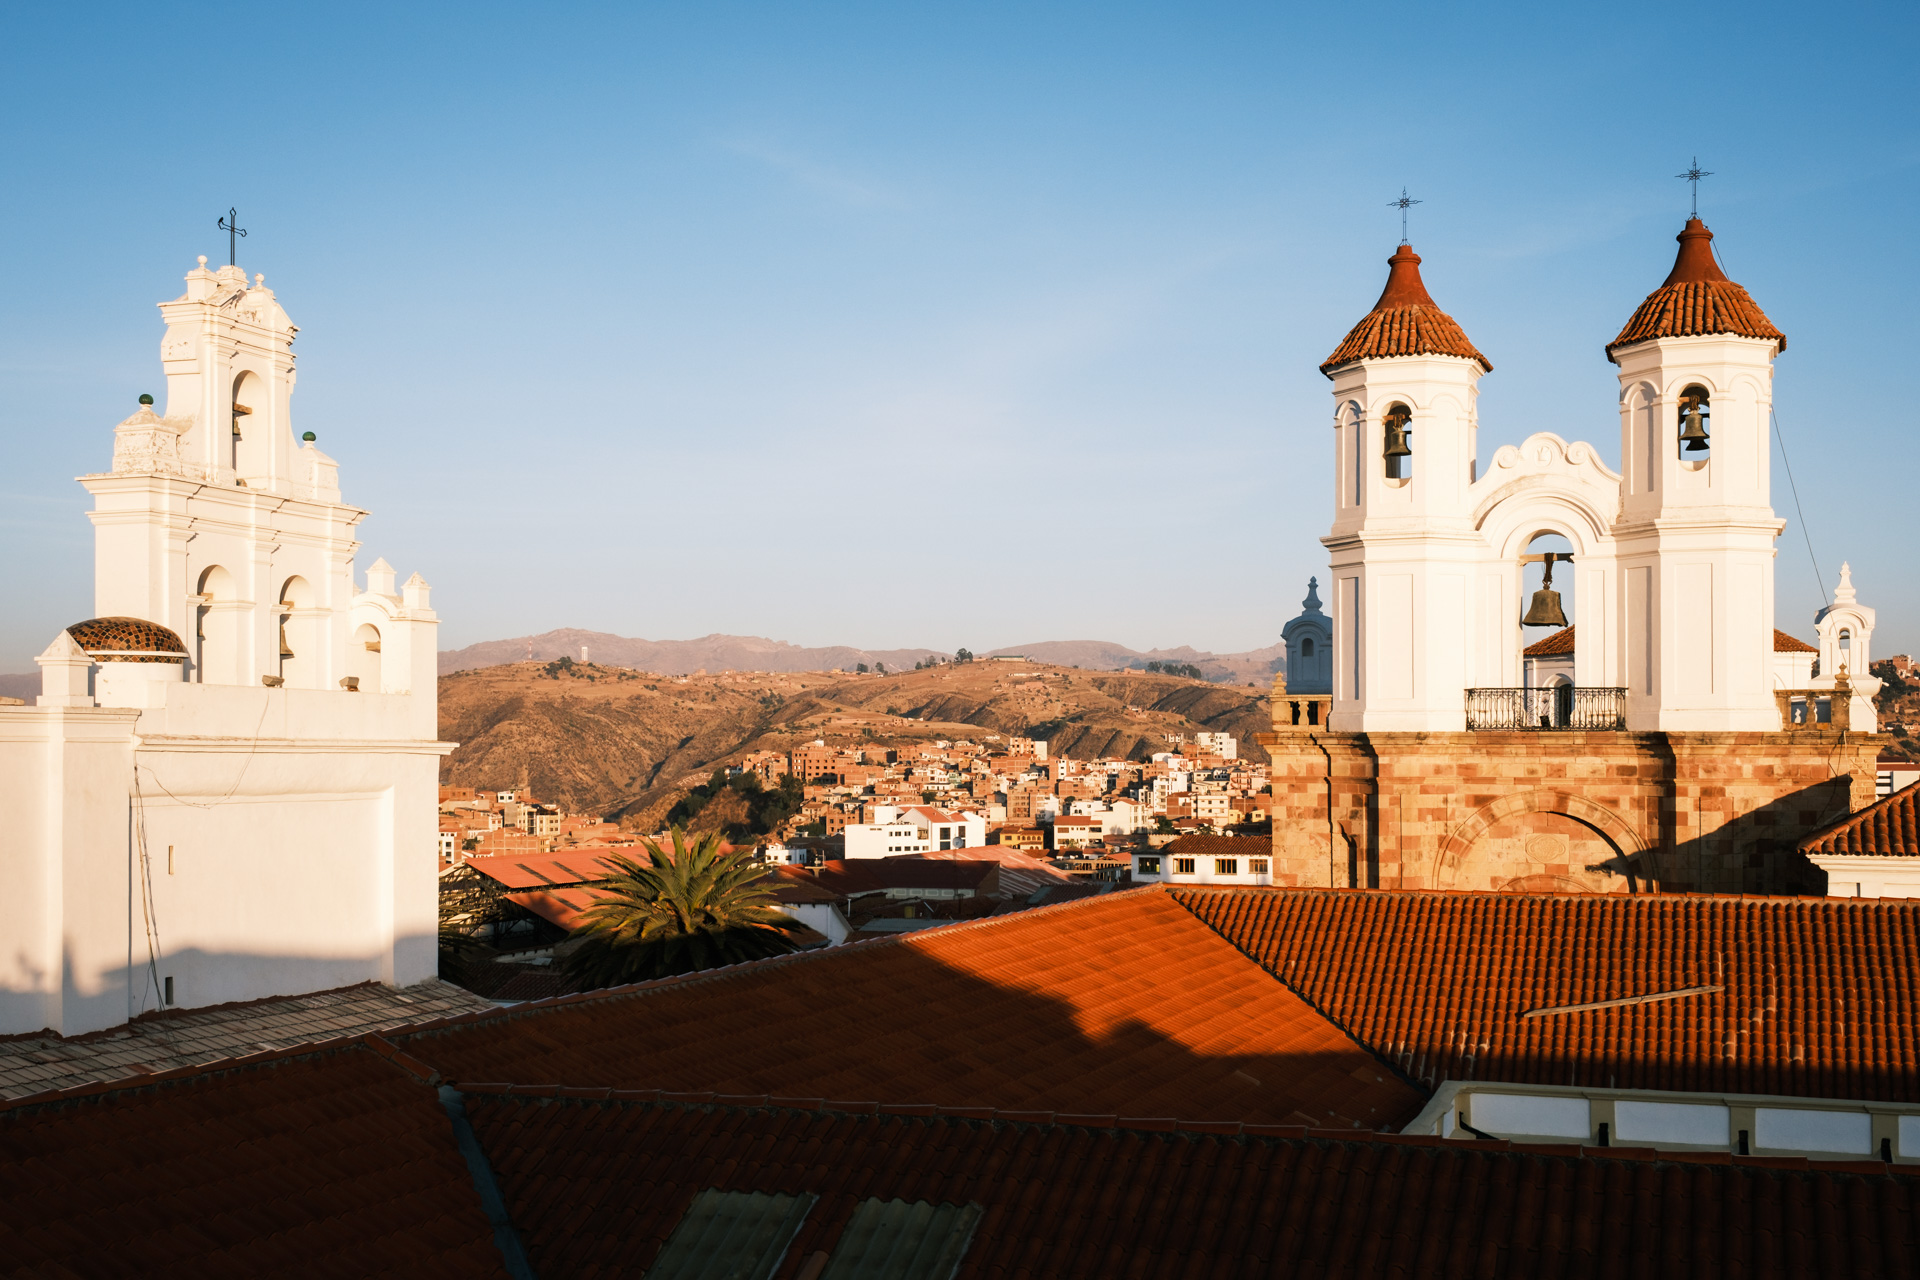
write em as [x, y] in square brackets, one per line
[226, 789]
[1687, 744]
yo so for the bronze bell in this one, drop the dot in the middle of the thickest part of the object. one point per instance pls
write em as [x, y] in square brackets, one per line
[1693, 431]
[285, 652]
[1545, 611]
[1397, 440]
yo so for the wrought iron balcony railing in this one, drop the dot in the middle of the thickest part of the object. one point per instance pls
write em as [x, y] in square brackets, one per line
[1554, 707]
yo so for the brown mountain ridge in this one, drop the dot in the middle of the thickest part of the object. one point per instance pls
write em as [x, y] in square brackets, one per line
[598, 739]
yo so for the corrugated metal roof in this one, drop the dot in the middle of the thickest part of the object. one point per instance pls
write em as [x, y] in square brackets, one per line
[897, 1240]
[732, 1235]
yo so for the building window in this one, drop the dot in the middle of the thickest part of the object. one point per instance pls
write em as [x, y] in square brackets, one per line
[1257, 866]
[1183, 866]
[1149, 866]
[1306, 647]
[1226, 866]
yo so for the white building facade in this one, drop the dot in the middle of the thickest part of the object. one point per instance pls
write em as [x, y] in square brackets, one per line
[227, 788]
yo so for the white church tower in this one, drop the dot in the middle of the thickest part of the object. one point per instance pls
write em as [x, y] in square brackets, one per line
[241, 749]
[1696, 530]
[1403, 544]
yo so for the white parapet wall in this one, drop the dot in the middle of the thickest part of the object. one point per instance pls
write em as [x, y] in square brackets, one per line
[1738, 1123]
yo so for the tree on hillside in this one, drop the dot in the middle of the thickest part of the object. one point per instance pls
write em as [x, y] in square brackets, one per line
[695, 908]
[963, 656]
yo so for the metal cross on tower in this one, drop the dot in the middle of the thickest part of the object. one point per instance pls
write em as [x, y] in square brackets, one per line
[231, 225]
[1404, 203]
[1693, 175]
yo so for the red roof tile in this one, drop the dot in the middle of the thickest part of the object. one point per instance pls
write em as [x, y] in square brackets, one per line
[1696, 298]
[1404, 322]
[1784, 643]
[596, 1185]
[1889, 828]
[328, 1164]
[531, 871]
[1555, 645]
[1123, 1003]
[1821, 998]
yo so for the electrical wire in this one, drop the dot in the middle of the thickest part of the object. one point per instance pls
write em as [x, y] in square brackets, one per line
[1819, 583]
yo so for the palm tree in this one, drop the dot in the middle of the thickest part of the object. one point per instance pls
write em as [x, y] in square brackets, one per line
[696, 907]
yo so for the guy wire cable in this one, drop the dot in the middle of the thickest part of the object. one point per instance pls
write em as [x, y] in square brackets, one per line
[1819, 582]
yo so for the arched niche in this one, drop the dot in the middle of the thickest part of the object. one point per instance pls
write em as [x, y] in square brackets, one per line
[1353, 450]
[1640, 448]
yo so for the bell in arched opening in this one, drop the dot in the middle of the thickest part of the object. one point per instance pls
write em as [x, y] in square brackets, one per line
[1545, 610]
[286, 650]
[1695, 413]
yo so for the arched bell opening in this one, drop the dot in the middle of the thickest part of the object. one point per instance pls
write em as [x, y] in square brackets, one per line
[215, 642]
[248, 432]
[299, 635]
[1396, 449]
[1695, 438]
[363, 657]
[1546, 585]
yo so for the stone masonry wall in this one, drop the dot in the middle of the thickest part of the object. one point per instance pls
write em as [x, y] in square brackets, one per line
[1562, 811]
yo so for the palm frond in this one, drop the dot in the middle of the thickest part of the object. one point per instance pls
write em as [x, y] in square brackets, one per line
[694, 907]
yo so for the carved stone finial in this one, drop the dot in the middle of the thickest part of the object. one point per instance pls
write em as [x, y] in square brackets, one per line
[1312, 603]
[203, 261]
[1844, 593]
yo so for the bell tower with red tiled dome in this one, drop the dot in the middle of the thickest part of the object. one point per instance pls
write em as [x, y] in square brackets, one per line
[1696, 528]
[1405, 382]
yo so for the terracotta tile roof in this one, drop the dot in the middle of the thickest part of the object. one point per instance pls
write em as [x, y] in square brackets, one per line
[1021, 874]
[561, 907]
[187, 1037]
[1124, 1003]
[331, 1164]
[342, 1161]
[1554, 646]
[1821, 996]
[1217, 847]
[1404, 322]
[1784, 643]
[596, 1186]
[540, 871]
[1889, 828]
[1697, 298]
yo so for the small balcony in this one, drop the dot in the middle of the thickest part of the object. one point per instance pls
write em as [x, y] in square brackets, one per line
[1562, 707]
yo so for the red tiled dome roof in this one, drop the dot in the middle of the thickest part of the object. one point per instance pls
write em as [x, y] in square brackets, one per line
[1696, 298]
[1784, 643]
[1405, 322]
[127, 640]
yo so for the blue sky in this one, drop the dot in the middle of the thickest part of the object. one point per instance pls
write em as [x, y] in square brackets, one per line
[896, 325]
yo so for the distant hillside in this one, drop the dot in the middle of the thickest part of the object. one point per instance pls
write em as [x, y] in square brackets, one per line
[27, 686]
[678, 657]
[1255, 665]
[717, 653]
[601, 740]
